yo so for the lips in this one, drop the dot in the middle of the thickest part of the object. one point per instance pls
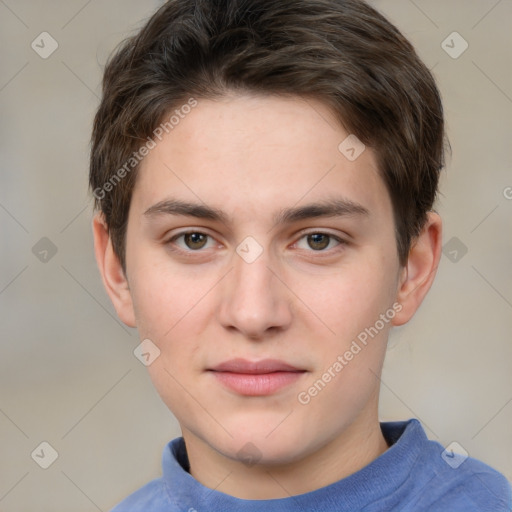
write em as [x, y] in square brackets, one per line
[256, 367]
[256, 378]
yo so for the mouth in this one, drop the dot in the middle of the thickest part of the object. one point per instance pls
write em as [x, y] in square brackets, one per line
[256, 378]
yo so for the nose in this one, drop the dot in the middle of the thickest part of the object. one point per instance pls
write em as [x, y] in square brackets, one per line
[254, 300]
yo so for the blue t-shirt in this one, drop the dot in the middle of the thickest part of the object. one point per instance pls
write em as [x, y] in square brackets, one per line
[413, 475]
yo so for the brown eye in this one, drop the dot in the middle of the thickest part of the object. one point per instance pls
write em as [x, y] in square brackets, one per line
[195, 240]
[318, 241]
[191, 241]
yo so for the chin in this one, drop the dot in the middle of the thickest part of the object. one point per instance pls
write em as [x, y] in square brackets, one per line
[257, 447]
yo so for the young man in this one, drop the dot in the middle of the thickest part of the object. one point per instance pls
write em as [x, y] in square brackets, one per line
[265, 174]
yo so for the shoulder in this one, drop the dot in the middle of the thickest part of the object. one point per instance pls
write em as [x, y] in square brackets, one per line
[474, 484]
[152, 496]
[465, 483]
[441, 480]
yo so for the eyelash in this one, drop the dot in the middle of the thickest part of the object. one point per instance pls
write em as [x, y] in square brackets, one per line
[340, 241]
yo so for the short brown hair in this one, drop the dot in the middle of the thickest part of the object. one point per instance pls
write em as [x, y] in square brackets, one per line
[341, 52]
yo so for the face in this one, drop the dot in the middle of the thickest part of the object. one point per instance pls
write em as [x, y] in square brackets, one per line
[262, 263]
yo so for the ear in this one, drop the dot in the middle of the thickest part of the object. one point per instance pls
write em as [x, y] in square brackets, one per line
[418, 274]
[112, 272]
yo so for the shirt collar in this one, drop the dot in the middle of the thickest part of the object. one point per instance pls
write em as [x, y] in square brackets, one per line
[379, 478]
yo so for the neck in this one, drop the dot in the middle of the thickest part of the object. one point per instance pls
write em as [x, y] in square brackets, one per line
[354, 448]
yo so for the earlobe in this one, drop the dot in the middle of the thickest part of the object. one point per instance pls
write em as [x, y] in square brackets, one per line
[111, 271]
[418, 275]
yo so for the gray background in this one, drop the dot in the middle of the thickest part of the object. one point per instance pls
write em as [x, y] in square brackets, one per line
[68, 375]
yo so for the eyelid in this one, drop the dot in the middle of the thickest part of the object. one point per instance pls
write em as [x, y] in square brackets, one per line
[323, 231]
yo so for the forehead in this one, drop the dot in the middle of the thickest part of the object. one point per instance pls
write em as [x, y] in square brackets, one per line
[250, 154]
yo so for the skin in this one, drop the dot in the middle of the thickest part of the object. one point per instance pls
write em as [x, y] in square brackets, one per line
[251, 156]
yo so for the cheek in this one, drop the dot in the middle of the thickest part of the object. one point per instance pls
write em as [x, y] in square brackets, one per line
[172, 311]
[349, 301]
[358, 307]
[163, 295]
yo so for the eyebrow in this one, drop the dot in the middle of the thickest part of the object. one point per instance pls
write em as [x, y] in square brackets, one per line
[337, 207]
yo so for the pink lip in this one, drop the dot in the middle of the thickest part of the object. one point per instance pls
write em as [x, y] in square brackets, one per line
[256, 378]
